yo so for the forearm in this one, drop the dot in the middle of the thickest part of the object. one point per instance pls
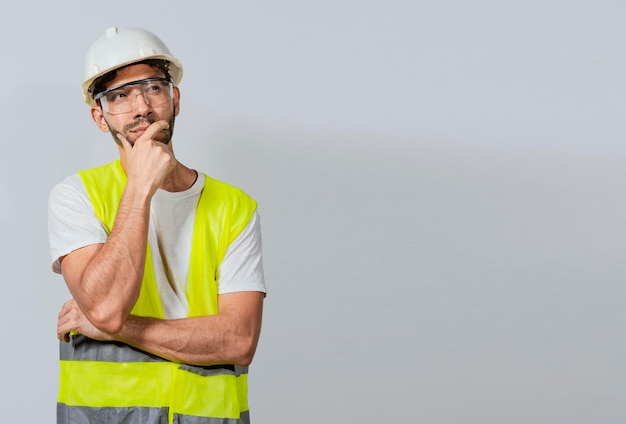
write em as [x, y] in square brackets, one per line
[231, 336]
[105, 279]
[110, 284]
[198, 341]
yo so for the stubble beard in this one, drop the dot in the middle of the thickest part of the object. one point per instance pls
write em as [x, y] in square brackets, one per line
[163, 136]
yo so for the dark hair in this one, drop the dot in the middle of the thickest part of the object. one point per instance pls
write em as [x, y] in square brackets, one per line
[100, 83]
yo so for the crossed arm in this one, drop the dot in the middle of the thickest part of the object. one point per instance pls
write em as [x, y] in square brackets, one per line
[231, 336]
[104, 280]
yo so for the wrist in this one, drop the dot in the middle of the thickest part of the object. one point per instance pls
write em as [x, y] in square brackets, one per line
[138, 194]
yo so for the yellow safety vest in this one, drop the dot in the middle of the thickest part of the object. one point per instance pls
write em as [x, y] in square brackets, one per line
[117, 383]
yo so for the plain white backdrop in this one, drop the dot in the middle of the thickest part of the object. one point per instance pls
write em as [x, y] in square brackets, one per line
[441, 186]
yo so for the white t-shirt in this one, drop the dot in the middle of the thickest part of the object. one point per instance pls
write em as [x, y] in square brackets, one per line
[72, 224]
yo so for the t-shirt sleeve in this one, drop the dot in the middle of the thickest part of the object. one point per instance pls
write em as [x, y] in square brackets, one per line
[242, 266]
[72, 222]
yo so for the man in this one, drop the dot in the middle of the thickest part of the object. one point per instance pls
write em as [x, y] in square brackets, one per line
[163, 263]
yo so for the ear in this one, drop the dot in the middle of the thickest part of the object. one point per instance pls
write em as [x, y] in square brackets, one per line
[98, 118]
[176, 101]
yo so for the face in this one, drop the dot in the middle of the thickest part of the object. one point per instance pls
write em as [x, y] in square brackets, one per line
[132, 124]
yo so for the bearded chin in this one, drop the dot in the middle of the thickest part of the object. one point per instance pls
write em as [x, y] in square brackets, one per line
[163, 136]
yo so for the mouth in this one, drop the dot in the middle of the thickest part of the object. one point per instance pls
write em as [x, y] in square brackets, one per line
[139, 130]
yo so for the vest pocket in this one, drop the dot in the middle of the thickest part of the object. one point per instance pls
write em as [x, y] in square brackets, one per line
[213, 393]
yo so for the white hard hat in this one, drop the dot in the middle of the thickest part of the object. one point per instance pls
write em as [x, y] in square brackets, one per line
[119, 47]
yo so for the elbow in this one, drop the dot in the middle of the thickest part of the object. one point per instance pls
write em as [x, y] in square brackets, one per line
[107, 321]
[243, 360]
[245, 350]
[111, 327]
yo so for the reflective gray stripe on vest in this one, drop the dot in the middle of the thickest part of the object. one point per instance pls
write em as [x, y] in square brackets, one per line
[211, 370]
[188, 419]
[135, 415]
[86, 415]
[240, 370]
[82, 348]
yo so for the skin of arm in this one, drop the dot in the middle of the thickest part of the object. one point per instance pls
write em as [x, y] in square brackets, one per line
[105, 279]
[231, 336]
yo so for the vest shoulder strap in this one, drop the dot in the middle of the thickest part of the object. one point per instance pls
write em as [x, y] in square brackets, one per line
[222, 214]
[105, 185]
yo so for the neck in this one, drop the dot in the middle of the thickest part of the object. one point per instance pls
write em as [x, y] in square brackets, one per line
[180, 179]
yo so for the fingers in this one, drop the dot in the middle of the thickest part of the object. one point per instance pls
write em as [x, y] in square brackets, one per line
[63, 331]
[64, 322]
[154, 129]
[149, 159]
[64, 337]
[149, 134]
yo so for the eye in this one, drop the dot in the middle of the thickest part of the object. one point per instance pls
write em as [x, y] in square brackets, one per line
[154, 87]
[116, 96]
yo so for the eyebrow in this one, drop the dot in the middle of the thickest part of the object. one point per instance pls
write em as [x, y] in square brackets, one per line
[155, 74]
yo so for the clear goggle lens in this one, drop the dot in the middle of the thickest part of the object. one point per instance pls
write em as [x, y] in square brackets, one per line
[121, 99]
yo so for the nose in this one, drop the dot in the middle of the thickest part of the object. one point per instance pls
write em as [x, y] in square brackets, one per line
[141, 104]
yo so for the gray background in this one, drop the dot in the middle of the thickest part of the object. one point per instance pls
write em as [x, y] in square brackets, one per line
[440, 185]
